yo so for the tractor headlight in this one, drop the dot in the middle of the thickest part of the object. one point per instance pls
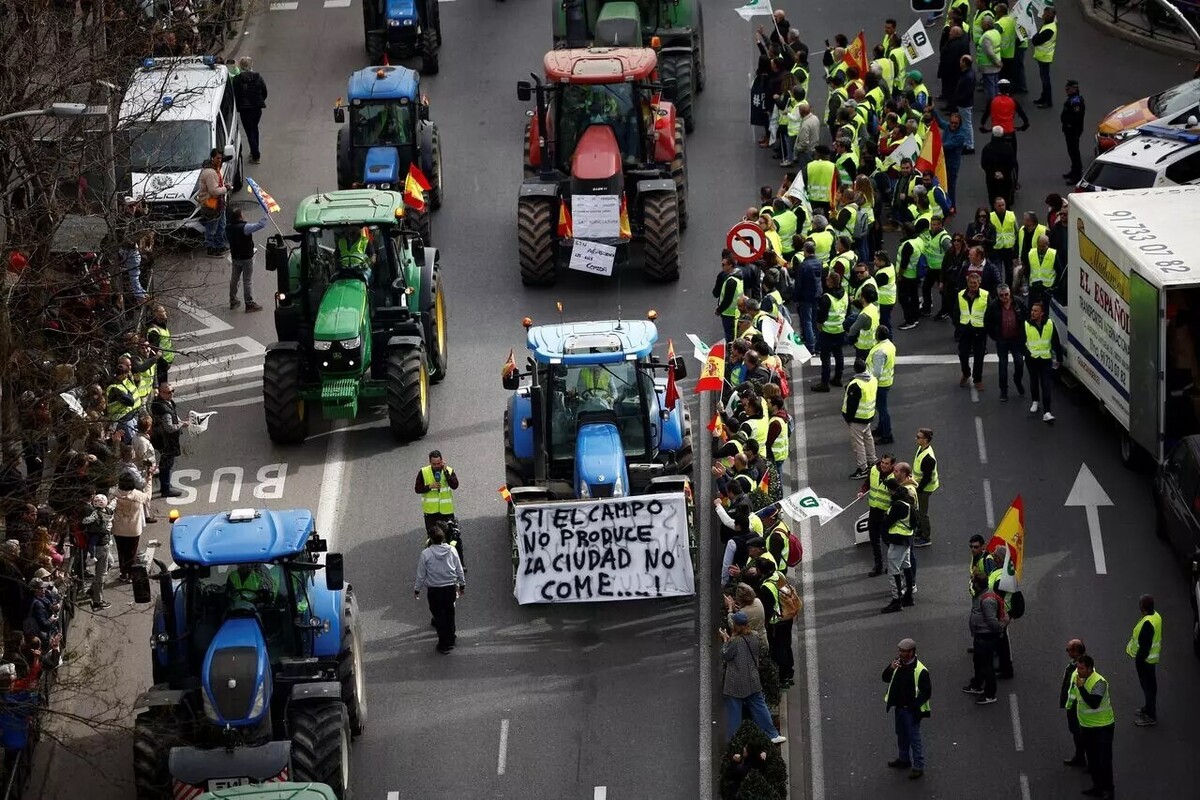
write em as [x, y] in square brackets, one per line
[584, 492]
[260, 701]
[618, 487]
[209, 711]
[350, 344]
[322, 346]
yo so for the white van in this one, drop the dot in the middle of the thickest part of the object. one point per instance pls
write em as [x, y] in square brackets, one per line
[175, 111]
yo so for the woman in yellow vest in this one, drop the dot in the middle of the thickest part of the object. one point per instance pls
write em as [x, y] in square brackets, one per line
[1145, 646]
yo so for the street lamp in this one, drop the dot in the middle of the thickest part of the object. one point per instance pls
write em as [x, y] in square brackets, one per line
[54, 110]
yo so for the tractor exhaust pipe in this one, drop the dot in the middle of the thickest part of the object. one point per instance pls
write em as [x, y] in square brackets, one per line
[577, 32]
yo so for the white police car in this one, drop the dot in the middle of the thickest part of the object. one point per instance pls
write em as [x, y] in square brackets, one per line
[1157, 156]
[174, 113]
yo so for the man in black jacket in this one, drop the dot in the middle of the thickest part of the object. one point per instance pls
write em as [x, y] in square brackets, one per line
[1068, 700]
[250, 92]
[950, 64]
[909, 690]
[165, 437]
[240, 234]
[963, 100]
[1004, 322]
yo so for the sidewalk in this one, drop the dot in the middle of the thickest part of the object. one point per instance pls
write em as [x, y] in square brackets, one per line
[1132, 25]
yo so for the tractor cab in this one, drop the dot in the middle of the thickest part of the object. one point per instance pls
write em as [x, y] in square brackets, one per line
[398, 29]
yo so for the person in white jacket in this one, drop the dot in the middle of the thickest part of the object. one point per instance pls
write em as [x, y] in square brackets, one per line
[440, 571]
[129, 519]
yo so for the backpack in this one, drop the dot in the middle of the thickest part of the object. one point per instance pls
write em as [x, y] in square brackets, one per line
[784, 283]
[862, 226]
[789, 601]
[1016, 605]
[795, 550]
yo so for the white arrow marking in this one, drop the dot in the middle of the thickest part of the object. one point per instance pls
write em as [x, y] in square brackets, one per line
[1088, 492]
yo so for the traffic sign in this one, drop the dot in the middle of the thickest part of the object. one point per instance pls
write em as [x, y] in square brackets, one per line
[746, 241]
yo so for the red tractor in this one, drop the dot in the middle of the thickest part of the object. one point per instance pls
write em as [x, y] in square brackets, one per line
[604, 162]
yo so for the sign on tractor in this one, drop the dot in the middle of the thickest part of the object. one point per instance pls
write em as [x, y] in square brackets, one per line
[746, 241]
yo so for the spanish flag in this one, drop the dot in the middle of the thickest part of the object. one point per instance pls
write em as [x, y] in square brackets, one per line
[932, 159]
[415, 187]
[713, 376]
[505, 495]
[564, 221]
[717, 426]
[856, 54]
[1010, 534]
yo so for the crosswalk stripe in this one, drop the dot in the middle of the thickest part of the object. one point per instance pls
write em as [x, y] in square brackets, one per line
[216, 390]
[284, 6]
[337, 3]
[191, 380]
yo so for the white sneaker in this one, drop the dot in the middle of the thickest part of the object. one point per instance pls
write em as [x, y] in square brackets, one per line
[779, 740]
[1033, 407]
[1047, 417]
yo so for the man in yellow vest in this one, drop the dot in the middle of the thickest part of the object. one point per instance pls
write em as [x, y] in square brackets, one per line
[909, 690]
[885, 286]
[436, 483]
[1144, 647]
[831, 310]
[969, 329]
[728, 290]
[1068, 699]
[898, 536]
[1096, 724]
[858, 410]
[121, 399]
[925, 473]
[1044, 42]
[1040, 263]
[881, 361]
[159, 337]
[1041, 357]
[818, 181]
[879, 500]
[1005, 248]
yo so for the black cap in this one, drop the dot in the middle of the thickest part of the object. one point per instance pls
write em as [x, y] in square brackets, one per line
[756, 541]
[1071, 84]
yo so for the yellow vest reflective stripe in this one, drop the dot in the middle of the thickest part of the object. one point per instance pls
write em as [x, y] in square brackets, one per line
[887, 291]
[982, 59]
[972, 315]
[1041, 267]
[732, 311]
[819, 178]
[437, 501]
[164, 342]
[1045, 51]
[917, 474]
[888, 348]
[866, 336]
[779, 449]
[869, 388]
[878, 496]
[918, 671]
[1008, 35]
[1040, 343]
[1103, 714]
[934, 254]
[1155, 621]
[837, 314]
[1006, 231]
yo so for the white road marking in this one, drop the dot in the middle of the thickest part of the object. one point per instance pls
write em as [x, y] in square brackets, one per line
[1087, 492]
[247, 401]
[1014, 712]
[337, 3]
[974, 394]
[250, 347]
[979, 441]
[812, 675]
[703, 579]
[331, 486]
[237, 387]
[393, 796]
[212, 324]
[284, 6]
[987, 503]
[502, 759]
[1025, 795]
[601, 792]
[191, 380]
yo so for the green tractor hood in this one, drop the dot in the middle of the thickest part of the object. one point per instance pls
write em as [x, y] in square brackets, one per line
[342, 311]
[340, 318]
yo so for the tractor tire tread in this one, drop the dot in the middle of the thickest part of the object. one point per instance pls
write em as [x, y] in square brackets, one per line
[679, 173]
[435, 178]
[358, 719]
[660, 222]
[535, 241]
[316, 729]
[282, 375]
[408, 420]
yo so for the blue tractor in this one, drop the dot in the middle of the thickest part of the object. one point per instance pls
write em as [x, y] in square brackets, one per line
[257, 658]
[588, 417]
[403, 29]
[387, 129]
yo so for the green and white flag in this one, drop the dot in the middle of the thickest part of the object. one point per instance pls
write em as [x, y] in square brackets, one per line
[755, 8]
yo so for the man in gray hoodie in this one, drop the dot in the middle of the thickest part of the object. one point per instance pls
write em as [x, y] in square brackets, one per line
[987, 622]
[440, 571]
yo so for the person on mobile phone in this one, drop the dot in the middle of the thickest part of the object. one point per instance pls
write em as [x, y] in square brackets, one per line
[436, 482]
[908, 693]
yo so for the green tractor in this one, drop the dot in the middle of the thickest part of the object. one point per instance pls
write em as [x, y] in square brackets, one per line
[674, 28]
[360, 311]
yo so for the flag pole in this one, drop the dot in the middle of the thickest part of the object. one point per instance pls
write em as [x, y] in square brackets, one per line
[275, 224]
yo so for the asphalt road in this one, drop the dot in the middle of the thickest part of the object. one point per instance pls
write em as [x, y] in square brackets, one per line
[552, 702]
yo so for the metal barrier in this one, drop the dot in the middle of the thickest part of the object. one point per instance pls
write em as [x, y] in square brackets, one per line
[1152, 18]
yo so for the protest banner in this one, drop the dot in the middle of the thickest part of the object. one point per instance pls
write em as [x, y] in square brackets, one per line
[622, 548]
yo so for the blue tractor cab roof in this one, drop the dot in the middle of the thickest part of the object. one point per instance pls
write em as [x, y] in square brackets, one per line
[384, 83]
[241, 536]
[579, 343]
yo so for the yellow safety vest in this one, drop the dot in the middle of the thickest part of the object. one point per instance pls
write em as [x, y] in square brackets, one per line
[1006, 231]
[837, 314]
[972, 315]
[354, 255]
[888, 347]
[965, 5]
[900, 58]
[1102, 715]
[781, 530]
[981, 53]
[437, 501]
[934, 254]
[117, 409]
[1008, 36]
[866, 336]
[1041, 267]
[917, 474]
[847, 259]
[876, 98]
[822, 244]
[887, 74]
[853, 209]
[593, 381]
[779, 450]
[818, 180]
[164, 342]
[1155, 621]
[903, 527]
[857, 290]
[732, 311]
[918, 671]
[866, 402]
[878, 496]
[758, 429]
[1044, 52]
[145, 387]
[786, 221]
[1040, 342]
[887, 292]
[917, 243]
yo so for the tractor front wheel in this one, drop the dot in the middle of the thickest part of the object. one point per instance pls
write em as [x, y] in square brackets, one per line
[284, 408]
[408, 392]
[155, 732]
[535, 240]
[429, 51]
[660, 223]
[320, 732]
[679, 173]
[681, 68]
[350, 666]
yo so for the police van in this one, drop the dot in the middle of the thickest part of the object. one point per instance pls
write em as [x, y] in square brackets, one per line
[1158, 155]
[175, 111]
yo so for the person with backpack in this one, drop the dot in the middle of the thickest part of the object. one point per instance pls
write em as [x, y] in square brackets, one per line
[779, 627]
[987, 622]
[1014, 608]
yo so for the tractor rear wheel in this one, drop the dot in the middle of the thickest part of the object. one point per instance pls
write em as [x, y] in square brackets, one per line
[375, 38]
[680, 67]
[679, 174]
[408, 392]
[660, 225]
[535, 240]
[423, 223]
[350, 666]
[435, 179]
[320, 731]
[284, 408]
[437, 321]
[429, 51]
[155, 732]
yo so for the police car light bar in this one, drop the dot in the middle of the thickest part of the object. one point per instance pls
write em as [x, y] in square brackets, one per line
[1174, 134]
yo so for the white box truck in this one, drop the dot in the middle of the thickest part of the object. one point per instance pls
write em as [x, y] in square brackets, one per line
[1132, 290]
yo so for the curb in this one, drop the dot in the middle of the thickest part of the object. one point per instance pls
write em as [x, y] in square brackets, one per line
[1102, 21]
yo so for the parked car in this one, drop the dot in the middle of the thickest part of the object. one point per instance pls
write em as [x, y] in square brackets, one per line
[1177, 515]
[1155, 156]
[1169, 107]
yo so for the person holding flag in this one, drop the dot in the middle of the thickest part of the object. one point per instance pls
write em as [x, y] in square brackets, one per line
[240, 234]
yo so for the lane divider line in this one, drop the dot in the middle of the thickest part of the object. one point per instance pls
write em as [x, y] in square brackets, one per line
[1015, 713]
[987, 504]
[601, 793]
[1025, 795]
[502, 758]
[332, 478]
[979, 441]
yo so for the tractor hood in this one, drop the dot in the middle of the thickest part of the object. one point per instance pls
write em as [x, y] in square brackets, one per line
[236, 679]
[600, 461]
[382, 167]
[343, 307]
[597, 156]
